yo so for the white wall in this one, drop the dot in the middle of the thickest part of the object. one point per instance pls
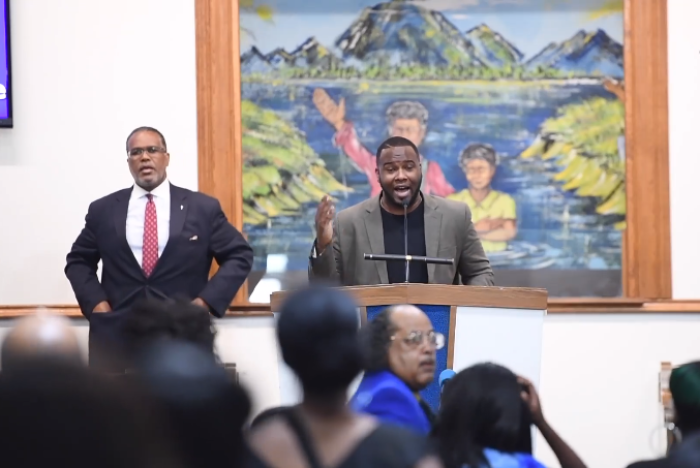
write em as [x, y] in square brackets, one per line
[85, 74]
[684, 102]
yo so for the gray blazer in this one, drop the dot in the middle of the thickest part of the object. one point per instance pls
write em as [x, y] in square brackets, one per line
[449, 233]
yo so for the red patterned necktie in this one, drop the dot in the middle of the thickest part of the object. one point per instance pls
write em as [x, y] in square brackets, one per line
[150, 238]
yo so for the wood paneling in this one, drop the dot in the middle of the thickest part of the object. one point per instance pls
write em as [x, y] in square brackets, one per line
[440, 294]
[72, 311]
[554, 307]
[647, 252]
[218, 109]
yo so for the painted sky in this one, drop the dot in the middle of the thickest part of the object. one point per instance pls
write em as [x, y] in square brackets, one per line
[474, 6]
[530, 31]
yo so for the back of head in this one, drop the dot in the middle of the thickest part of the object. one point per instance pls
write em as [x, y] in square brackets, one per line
[317, 333]
[481, 407]
[685, 390]
[40, 338]
[151, 321]
[55, 414]
[202, 406]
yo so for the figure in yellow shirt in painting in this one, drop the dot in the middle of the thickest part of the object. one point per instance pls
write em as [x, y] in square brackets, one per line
[493, 212]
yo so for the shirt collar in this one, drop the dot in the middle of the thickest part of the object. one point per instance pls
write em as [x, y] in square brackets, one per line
[160, 191]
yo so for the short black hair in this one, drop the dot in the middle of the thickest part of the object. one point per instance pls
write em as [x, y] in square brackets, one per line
[376, 340]
[396, 142]
[478, 151]
[152, 320]
[146, 129]
[318, 336]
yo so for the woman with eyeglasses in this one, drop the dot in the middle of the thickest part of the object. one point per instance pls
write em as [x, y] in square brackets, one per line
[401, 346]
[317, 333]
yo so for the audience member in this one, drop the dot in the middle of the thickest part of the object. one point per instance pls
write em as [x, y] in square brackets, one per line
[40, 337]
[483, 422]
[58, 414]
[685, 391]
[151, 321]
[269, 414]
[401, 346]
[317, 333]
[204, 410]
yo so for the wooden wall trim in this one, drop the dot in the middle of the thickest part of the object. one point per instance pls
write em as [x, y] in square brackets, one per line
[647, 251]
[73, 311]
[218, 109]
[554, 307]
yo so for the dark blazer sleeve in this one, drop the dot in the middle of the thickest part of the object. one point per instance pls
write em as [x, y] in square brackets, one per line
[81, 266]
[234, 256]
[474, 266]
[328, 265]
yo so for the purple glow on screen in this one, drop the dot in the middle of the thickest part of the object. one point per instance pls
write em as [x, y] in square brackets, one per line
[4, 65]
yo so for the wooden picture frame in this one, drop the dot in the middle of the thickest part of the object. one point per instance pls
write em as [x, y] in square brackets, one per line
[646, 246]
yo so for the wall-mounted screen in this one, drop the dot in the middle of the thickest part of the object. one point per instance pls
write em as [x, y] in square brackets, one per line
[5, 82]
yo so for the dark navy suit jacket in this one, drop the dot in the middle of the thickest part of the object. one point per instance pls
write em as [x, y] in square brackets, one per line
[389, 399]
[199, 233]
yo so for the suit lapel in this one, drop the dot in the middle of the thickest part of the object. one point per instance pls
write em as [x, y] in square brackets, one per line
[178, 214]
[121, 209]
[433, 220]
[375, 234]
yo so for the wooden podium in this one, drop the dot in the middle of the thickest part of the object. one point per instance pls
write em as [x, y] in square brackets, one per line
[501, 325]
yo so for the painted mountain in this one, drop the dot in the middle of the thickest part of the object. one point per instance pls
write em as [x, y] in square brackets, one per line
[311, 54]
[492, 48]
[591, 53]
[255, 61]
[399, 33]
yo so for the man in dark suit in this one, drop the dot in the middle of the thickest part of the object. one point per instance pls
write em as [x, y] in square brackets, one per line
[155, 241]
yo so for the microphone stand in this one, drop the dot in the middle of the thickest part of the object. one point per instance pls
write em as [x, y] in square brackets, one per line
[405, 236]
[408, 258]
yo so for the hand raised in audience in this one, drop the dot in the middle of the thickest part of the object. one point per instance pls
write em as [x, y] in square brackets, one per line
[530, 396]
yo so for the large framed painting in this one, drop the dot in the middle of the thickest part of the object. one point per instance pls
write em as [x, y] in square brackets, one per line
[548, 118]
[518, 111]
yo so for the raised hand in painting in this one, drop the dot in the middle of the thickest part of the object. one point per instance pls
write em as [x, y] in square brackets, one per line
[324, 223]
[333, 112]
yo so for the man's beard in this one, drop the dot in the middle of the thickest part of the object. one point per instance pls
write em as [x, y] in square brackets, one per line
[396, 203]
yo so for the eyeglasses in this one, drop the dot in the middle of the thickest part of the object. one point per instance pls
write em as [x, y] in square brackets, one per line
[416, 338]
[138, 152]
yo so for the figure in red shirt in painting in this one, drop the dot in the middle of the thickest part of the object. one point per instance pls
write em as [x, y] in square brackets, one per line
[407, 119]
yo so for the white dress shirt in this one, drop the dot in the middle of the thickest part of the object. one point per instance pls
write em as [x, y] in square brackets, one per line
[136, 217]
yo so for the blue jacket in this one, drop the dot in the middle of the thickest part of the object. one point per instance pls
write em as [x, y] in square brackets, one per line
[389, 399]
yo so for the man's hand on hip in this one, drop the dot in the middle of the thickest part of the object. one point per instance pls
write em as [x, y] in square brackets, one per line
[102, 307]
[200, 302]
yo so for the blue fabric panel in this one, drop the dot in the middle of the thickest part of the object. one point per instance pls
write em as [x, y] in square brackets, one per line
[440, 317]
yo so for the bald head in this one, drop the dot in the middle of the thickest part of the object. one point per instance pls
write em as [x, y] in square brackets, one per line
[40, 337]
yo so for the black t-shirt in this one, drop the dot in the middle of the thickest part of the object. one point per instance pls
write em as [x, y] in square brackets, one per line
[394, 244]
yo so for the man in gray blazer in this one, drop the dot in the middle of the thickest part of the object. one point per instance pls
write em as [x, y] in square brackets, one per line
[436, 228]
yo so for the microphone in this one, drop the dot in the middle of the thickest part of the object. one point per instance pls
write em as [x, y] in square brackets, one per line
[405, 203]
[445, 375]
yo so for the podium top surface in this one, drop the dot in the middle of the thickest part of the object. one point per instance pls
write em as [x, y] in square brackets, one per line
[438, 294]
